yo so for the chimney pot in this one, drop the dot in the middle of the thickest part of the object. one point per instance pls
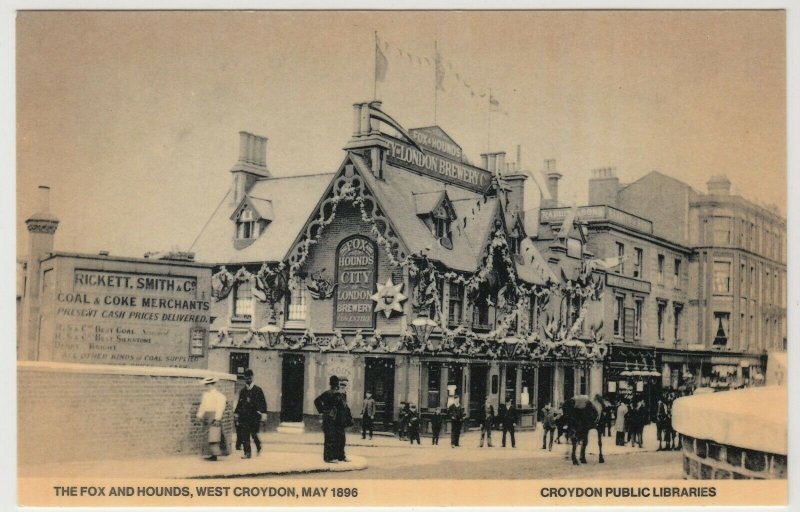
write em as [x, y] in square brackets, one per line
[43, 199]
[485, 161]
[501, 161]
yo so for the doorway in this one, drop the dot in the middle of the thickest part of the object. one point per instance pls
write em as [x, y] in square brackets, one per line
[545, 387]
[379, 380]
[477, 391]
[569, 382]
[292, 384]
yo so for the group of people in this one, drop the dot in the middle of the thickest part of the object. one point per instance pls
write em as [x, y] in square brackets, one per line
[250, 411]
[628, 418]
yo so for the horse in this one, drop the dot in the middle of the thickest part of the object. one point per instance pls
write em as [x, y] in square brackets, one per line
[582, 414]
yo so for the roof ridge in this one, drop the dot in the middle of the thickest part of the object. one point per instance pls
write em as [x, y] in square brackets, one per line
[298, 176]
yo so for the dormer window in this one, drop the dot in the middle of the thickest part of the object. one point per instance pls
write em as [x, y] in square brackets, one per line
[436, 211]
[515, 240]
[442, 228]
[251, 218]
[247, 226]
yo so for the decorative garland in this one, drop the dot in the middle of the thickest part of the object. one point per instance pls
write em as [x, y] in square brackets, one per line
[512, 298]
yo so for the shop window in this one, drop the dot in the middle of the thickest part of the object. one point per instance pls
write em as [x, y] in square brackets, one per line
[243, 300]
[434, 382]
[637, 318]
[660, 275]
[511, 384]
[456, 304]
[722, 277]
[619, 312]
[661, 317]
[621, 258]
[298, 303]
[720, 326]
[637, 263]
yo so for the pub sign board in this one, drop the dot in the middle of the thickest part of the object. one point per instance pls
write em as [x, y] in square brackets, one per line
[356, 271]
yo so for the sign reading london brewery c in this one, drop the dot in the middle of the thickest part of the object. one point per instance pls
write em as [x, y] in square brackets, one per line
[125, 312]
[355, 279]
[439, 167]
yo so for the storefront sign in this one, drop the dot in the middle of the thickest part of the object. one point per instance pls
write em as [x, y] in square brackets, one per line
[598, 213]
[123, 317]
[618, 281]
[435, 166]
[355, 276]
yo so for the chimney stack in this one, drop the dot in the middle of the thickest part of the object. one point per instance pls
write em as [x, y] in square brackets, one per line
[719, 185]
[501, 161]
[604, 186]
[42, 227]
[552, 183]
[485, 161]
[515, 197]
[251, 166]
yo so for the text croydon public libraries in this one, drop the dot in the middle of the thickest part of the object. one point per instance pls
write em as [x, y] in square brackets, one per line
[628, 492]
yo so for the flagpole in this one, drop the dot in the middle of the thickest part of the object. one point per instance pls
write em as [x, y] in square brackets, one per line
[375, 69]
[489, 134]
[435, 78]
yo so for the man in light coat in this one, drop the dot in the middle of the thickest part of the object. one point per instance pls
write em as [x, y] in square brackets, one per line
[367, 416]
[212, 407]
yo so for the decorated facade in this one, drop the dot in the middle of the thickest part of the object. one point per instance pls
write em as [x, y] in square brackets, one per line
[408, 272]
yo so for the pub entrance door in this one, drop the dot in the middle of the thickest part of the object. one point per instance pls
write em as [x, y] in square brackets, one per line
[292, 384]
[379, 380]
[545, 387]
[477, 391]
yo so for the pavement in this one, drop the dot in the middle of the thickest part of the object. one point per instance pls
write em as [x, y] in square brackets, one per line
[295, 454]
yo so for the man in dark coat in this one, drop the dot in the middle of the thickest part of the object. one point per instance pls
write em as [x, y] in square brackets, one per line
[413, 424]
[436, 426]
[509, 420]
[251, 410]
[549, 417]
[327, 405]
[487, 422]
[456, 413]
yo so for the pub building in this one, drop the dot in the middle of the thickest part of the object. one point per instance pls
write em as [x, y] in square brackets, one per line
[409, 271]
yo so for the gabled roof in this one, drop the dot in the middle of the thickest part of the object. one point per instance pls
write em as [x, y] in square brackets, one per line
[291, 200]
[471, 228]
[262, 207]
[428, 202]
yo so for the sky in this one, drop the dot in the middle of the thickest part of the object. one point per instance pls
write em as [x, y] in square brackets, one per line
[132, 118]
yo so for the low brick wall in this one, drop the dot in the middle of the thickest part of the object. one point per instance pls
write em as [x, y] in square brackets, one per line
[707, 460]
[68, 412]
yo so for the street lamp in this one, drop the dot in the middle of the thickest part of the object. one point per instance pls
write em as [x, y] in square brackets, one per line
[269, 332]
[423, 327]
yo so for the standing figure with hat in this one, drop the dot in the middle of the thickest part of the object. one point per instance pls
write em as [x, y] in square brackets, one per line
[250, 411]
[328, 404]
[212, 407]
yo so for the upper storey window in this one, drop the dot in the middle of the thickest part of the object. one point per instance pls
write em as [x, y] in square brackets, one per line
[436, 210]
[250, 218]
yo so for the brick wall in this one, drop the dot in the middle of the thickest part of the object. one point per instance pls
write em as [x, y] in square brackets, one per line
[707, 460]
[80, 412]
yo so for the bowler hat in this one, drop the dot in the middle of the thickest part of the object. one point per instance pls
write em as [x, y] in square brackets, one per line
[210, 380]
